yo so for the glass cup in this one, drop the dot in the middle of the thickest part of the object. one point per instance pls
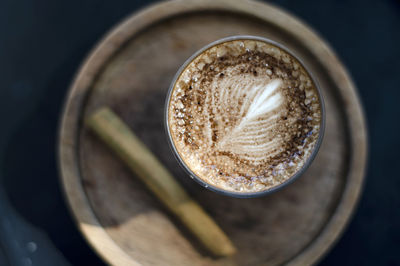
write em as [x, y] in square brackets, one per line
[218, 189]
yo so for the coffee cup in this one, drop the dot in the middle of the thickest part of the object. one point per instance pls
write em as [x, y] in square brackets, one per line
[244, 116]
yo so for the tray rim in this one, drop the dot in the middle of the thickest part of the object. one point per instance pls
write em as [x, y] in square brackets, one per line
[69, 126]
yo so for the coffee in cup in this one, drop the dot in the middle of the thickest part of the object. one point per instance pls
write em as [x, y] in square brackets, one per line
[244, 116]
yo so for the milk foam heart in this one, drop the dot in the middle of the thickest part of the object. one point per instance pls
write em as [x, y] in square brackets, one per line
[244, 115]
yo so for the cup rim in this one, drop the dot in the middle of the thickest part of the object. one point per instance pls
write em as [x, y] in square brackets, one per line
[216, 189]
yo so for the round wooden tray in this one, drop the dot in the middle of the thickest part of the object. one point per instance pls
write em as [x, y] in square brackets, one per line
[130, 71]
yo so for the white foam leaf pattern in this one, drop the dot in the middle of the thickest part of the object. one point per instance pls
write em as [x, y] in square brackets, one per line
[250, 137]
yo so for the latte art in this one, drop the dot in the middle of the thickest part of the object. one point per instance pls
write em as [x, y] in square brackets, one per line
[250, 137]
[244, 116]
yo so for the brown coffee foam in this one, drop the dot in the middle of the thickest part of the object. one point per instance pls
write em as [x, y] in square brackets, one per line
[219, 90]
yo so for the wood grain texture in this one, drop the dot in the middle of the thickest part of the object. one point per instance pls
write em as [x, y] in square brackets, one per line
[130, 71]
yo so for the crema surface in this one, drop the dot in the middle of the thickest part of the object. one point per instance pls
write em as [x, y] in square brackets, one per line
[244, 116]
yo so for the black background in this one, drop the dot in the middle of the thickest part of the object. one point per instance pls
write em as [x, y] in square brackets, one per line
[43, 42]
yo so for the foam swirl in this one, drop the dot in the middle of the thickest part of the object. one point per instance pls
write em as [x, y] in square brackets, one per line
[250, 138]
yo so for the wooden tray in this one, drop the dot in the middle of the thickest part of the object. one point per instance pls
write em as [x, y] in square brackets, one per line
[130, 71]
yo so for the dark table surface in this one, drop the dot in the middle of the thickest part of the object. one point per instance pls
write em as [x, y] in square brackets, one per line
[43, 42]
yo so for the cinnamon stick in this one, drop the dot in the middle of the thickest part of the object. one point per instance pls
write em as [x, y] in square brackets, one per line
[116, 134]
